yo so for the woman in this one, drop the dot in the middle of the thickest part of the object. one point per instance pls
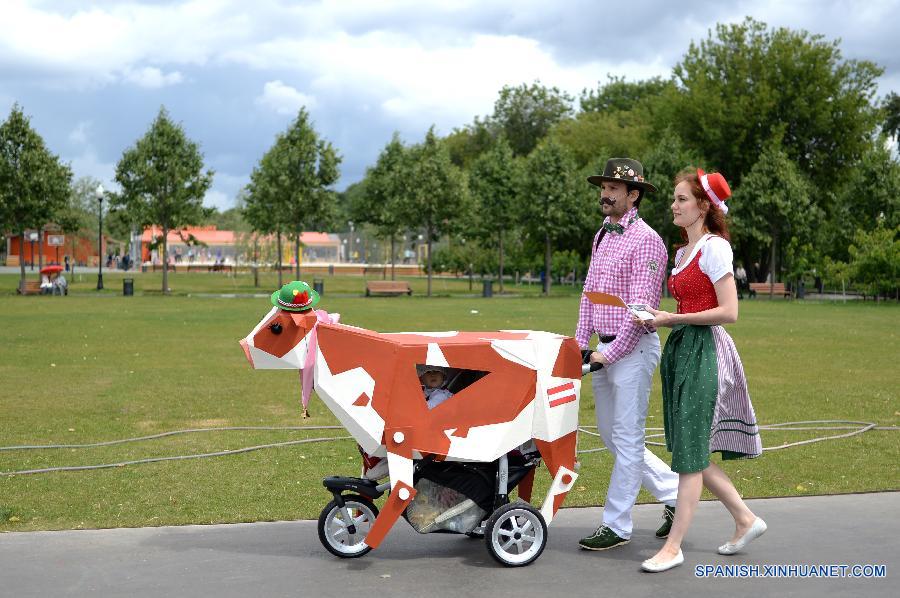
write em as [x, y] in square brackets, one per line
[706, 405]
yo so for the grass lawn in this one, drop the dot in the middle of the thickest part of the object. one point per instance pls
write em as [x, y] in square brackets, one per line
[85, 369]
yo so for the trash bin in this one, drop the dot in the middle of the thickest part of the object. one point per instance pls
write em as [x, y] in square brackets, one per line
[487, 288]
[128, 287]
[330, 269]
[319, 286]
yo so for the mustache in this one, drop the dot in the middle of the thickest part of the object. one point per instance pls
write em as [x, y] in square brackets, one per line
[607, 201]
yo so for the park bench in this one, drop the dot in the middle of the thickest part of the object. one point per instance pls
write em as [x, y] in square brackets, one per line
[387, 287]
[32, 287]
[765, 288]
[220, 268]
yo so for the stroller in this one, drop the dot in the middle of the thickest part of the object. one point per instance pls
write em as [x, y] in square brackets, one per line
[452, 497]
[514, 405]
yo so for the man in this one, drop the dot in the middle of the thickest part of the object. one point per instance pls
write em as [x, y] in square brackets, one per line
[628, 259]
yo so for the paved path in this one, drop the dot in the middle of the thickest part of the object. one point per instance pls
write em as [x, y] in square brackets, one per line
[286, 559]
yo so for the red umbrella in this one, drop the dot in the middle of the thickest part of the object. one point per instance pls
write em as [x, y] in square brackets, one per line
[51, 269]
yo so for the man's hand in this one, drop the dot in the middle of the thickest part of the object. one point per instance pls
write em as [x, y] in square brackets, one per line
[597, 357]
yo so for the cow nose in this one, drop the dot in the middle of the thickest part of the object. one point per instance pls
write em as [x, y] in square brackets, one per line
[246, 348]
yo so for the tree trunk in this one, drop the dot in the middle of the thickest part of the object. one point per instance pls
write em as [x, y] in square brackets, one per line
[547, 264]
[278, 263]
[40, 249]
[501, 261]
[255, 261]
[772, 263]
[165, 282]
[297, 254]
[393, 253]
[428, 259]
[22, 262]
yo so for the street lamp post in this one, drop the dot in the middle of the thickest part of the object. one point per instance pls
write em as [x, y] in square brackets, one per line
[350, 256]
[99, 193]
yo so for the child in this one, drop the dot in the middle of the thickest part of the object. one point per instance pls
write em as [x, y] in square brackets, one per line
[433, 379]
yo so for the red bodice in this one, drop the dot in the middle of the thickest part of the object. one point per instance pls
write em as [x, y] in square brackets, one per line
[693, 289]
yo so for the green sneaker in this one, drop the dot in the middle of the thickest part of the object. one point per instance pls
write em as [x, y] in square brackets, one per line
[602, 539]
[668, 518]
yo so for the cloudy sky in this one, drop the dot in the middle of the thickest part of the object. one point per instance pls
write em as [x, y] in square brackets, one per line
[93, 74]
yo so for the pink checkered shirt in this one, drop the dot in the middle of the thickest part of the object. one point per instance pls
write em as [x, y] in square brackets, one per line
[632, 266]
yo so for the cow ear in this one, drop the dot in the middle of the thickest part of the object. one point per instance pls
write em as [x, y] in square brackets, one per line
[299, 318]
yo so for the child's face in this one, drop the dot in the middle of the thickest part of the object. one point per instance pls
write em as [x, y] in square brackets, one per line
[432, 379]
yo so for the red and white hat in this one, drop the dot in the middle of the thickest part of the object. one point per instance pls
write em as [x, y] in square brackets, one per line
[716, 188]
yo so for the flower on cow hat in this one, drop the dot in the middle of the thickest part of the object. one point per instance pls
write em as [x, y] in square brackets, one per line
[295, 296]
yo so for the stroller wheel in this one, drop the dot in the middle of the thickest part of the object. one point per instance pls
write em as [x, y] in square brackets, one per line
[342, 530]
[516, 534]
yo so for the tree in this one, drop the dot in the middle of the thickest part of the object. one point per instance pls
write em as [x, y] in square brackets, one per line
[494, 181]
[875, 259]
[439, 199]
[891, 124]
[749, 88]
[34, 184]
[666, 159]
[551, 206]
[525, 114]
[617, 94]
[297, 173]
[773, 207]
[386, 188]
[163, 182]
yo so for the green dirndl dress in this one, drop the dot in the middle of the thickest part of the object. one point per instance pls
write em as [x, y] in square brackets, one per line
[689, 372]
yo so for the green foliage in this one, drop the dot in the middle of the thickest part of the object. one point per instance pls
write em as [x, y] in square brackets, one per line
[891, 111]
[552, 209]
[34, 184]
[751, 88]
[290, 188]
[495, 180]
[467, 143]
[162, 180]
[593, 135]
[773, 207]
[525, 114]
[380, 200]
[439, 200]
[875, 260]
[617, 94]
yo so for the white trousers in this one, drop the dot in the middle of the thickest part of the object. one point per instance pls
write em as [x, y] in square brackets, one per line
[621, 396]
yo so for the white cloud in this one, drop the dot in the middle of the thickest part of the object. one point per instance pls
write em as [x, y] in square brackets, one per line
[151, 77]
[79, 135]
[283, 98]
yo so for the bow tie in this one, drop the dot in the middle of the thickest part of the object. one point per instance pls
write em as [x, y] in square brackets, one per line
[614, 228]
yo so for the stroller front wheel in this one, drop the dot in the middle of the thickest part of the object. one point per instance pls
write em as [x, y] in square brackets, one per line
[516, 534]
[343, 529]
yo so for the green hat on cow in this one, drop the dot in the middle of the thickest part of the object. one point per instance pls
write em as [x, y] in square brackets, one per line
[295, 296]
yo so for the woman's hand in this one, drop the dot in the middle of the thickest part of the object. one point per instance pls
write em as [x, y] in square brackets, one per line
[661, 318]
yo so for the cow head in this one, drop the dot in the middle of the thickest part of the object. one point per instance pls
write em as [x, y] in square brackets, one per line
[280, 340]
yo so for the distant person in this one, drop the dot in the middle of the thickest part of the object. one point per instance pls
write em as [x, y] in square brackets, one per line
[740, 277]
[66, 259]
[46, 284]
[60, 285]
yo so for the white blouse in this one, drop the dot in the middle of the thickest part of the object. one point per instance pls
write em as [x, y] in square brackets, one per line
[715, 261]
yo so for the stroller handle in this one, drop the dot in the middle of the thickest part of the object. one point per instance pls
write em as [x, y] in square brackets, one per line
[590, 367]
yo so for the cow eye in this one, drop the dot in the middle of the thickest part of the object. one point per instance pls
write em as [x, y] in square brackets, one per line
[275, 328]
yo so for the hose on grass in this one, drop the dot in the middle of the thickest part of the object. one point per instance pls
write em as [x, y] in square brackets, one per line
[855, 428]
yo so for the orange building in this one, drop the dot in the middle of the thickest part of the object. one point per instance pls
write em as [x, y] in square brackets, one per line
[56, 246]
[208, 245]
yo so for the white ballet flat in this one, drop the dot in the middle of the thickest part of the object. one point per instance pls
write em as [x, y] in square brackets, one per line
[654, 567]
[758, 528]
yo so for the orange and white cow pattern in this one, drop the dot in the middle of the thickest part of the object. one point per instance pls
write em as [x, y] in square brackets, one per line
[369, 381]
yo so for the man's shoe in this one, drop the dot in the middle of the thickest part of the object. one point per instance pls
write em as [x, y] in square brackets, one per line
[666, 527]
[602, 539]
